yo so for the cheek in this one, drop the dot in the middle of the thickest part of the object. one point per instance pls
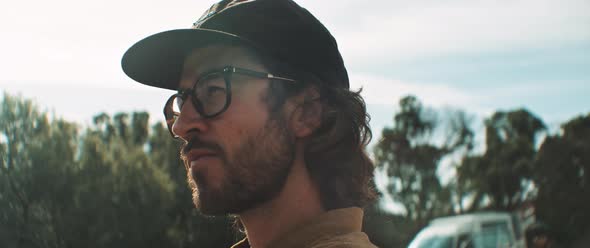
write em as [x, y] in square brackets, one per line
[245, 117]
[231, 133]
[245, 114]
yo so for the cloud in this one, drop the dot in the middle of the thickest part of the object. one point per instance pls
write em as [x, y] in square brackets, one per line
[68, 40]
[401, 30]
[81, 41]
[387, 91]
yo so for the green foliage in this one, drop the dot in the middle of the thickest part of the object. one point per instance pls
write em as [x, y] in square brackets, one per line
[410, 154]
[500, 175]
[411, 159]
[115, 184]
[35, 171]
[562, 174]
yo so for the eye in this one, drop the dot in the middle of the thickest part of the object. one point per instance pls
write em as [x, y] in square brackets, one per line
[212, 90]
[210, 86]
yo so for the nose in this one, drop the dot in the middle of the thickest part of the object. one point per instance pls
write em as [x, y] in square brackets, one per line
[189, 122]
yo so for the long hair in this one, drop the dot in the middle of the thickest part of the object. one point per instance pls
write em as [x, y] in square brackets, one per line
[335, 153]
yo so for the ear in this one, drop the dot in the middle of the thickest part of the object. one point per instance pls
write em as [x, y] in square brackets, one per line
[307, 115]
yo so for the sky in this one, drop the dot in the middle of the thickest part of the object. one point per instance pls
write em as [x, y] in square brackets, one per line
[477, 55]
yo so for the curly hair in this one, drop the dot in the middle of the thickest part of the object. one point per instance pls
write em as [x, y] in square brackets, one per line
[335, 153]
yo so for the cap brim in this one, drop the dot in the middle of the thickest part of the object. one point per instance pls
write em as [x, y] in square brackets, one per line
[158, 59]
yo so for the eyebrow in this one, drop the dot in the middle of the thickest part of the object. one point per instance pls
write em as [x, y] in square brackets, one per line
[192, 73]
[190, 69]
[194, 76]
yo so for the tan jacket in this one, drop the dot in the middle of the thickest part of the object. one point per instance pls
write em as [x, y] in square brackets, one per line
[340, 228]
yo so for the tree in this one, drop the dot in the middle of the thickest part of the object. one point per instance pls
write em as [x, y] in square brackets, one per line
[36, 169]
[562, 176]
[120, 196]
[411, 158]
[503, 173]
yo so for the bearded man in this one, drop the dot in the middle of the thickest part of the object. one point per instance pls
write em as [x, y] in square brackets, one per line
[273, 135]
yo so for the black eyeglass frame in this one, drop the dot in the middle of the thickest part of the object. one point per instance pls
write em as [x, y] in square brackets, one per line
[226, 72]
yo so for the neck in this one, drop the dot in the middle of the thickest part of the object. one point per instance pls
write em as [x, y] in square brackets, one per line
[298, 202]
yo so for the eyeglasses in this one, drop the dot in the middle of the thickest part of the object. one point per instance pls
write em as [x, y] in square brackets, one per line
[211, 94]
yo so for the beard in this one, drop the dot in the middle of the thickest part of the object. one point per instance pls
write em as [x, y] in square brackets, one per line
[254, 174]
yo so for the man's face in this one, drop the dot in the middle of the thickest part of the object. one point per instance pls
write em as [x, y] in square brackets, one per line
[540, 241]
[241, 158]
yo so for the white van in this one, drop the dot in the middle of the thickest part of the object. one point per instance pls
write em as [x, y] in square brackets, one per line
[478, 230]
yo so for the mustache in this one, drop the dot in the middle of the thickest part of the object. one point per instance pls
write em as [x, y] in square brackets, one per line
[196, 143]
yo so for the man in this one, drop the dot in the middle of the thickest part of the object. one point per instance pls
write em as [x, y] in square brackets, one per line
[272, 133]
[539, 235]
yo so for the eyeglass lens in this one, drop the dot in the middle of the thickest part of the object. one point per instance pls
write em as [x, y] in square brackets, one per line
[209, 96]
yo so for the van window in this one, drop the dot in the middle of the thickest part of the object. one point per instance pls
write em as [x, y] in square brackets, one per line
[464, 241]
[494, 234]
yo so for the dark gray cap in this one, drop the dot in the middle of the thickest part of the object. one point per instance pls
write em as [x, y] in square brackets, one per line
[277, 28]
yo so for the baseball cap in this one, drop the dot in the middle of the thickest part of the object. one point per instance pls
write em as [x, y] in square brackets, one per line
[280, 29]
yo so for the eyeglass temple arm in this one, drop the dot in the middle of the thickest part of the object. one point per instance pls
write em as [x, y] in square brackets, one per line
[259, 74]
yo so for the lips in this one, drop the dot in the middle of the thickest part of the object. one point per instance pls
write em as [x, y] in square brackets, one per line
[200, 157]
[196, 154]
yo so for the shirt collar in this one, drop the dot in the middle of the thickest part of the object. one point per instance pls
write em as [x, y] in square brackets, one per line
[329, 224]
